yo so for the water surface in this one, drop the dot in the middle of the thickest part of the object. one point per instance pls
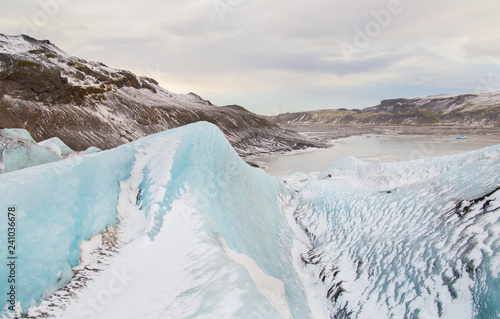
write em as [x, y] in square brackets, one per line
[372, 148]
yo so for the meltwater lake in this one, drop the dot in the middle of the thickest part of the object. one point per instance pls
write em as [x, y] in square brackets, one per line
[372, 148]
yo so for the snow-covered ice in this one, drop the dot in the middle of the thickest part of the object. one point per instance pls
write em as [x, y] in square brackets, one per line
[57, 146]
[187, 205]
[405, 240]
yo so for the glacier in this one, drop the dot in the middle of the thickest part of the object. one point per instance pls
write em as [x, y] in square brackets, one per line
[176, 225]
[418, 239]
[18, 150]
[57, 146]
[188, 182]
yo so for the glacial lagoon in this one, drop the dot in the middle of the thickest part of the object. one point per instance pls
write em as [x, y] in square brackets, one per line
[372, 148]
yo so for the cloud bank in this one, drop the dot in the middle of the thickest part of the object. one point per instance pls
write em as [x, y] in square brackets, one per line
[278, 56]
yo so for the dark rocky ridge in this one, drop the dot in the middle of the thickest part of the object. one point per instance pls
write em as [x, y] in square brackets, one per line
[461, 109]
[50, 93]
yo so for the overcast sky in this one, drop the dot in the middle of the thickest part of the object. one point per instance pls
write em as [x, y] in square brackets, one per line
[275, 56]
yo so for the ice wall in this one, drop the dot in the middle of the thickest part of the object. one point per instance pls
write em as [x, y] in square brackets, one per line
[61, 204]
[17, 133]
[57, 206]
[18, 150]
[239, 202]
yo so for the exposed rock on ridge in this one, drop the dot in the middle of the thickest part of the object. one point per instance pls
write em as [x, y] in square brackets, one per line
[460, 109]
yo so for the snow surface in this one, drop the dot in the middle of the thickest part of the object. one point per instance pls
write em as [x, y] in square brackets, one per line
[57, 146]
[355, 173]
[91, 150]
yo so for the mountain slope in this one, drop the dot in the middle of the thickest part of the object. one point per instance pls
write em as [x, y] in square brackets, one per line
[459, 109]
[51, 93]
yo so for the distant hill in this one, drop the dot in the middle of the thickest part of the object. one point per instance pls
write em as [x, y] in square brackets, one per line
[51, 93]
[459, 109]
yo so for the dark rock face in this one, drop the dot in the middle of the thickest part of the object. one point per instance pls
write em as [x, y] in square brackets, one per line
[52, 94]
[461, 109]
[31, 75]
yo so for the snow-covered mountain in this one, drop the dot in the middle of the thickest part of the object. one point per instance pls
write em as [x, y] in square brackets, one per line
[459, 109]
[53, 94]
[176, 225]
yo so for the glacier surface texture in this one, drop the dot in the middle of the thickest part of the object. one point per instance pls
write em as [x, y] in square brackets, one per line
[419, 239]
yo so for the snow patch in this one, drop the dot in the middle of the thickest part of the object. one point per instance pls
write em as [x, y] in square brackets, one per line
[271, 288]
